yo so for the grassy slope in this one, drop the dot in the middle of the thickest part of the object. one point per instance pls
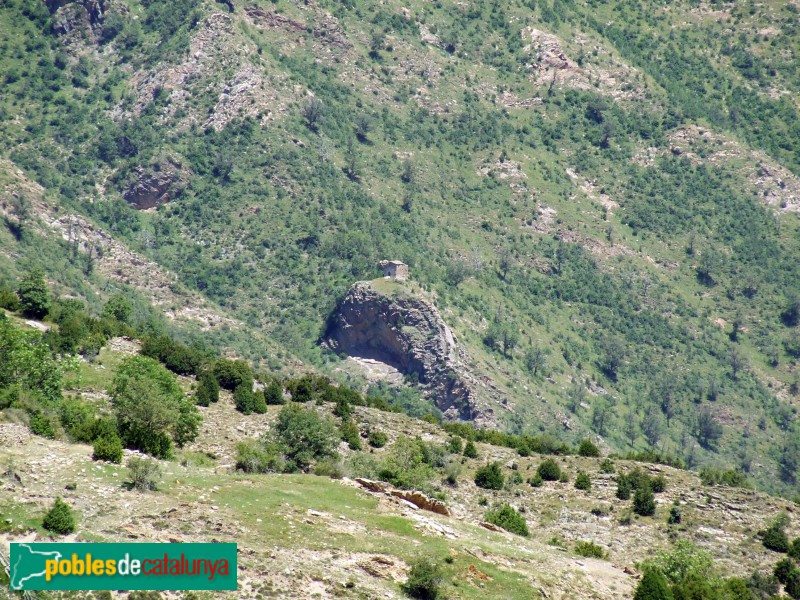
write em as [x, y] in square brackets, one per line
[271, 228]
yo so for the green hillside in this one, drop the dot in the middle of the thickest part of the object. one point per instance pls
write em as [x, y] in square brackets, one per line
[602, 197]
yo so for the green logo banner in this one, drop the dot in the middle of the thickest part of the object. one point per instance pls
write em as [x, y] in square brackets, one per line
[127, 566]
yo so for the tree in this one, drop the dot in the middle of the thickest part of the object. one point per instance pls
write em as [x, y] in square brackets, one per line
[59, 518]
[313, 112]
[144, 473]
[232, 373]
[653, 586]
[470, 451]
[535, 360]
[588, 449]
[737, 360]
[600, 416]
[490, 477]
[775, 537]
[549, 470]
[644, 502]
[707, 266]
[108, 448]
[583, 481]
[708, 431]
[119, 308]
[363, 125]
[273, 394]
[34, 296]
[151, 409]
[303, 436]
[351, 434]
[612, 356]
[791, 314]
[576, 396]
[207, 389]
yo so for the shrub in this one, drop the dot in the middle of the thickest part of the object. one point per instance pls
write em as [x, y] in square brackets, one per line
[509, 519]
[350, 434]
[207, 389]
[342, 409]
[455, 445]
[470, 451]
[607, 466]
[303, 436]
[583, 482]
[490, 477]
[9, 300]
[329, 467]
[452, 470]
[589, 550]
[644, 502]
[783, 570]
[377, 439]
[536, 480]
[730, 477]
[549, 470]
[232, 373]
[653, 586]
[273, 394]
[424, 580]
[34, 296]
[41, 425]
[108, 448]
[59, 518]
[658, 484]
[775, 539]
[247, 401]
[254, 457]
[794, 549]
[674, 517]
[587, 448]
[144, 473]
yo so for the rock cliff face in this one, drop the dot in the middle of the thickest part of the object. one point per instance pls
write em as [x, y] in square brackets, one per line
[406, 332]
[154, 187]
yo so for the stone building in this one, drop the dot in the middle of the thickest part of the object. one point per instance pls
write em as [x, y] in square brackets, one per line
[394, 269]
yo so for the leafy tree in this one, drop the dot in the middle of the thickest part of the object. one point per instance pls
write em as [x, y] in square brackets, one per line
[707, 429]
[303, 436]
[248, 401]
[119, 308]
[232, 373]
[791, 314]
[408, 464]
[313, 111]
[34, 296]
[549, 470]
[59, 518]
[612, 356]
[151, 410]
[490, 477]
[508, 518]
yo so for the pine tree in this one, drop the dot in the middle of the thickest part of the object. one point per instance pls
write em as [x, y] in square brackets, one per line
[207, 389]
[644, 502]
[470, 451]
[59, 518]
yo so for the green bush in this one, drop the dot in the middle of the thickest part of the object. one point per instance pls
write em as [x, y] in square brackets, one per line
[587, 448]
[273, 394]
[509, 519]
[144, 473]
[424, 580]
[233, 373]
[34, 296]
[455, 445]
[775, 539]
[583, 482]
[607, 466]
[470, 451]
[536, 481]
[41, 425]
[303, 436]
[674, 517]
[108, 448]
[490, 477]
[59, 518]
[248, 401]
[377, 439]
[350, 434]
[658, 484]
[783, 570]
[653, 586]
[644, 502]
[589, 550]
[9, 300]
[549, 470]
[794, 549]
[252, 456]
[207, 389]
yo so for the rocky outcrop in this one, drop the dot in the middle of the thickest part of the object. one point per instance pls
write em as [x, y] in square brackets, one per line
[155, 187]
[405, 331]
[414, 497]
[84, 17]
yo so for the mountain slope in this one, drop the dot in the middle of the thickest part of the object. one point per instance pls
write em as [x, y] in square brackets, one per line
[594, 177]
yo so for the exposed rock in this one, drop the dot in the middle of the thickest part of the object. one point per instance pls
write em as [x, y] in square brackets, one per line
[405, 331]
[153, 188]
[372, 486]
[81, 18]
[422, 501]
